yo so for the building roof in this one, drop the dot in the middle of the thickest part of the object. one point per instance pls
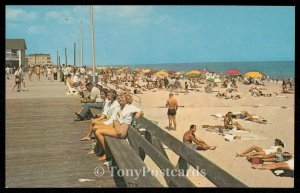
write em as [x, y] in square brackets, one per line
[38, 55]
[15, 44]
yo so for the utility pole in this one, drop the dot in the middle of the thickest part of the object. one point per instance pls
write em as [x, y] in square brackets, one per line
[74, 54]
[57, 58]
[93, 45]
[66, 56]
[81, 43]
[79, 53]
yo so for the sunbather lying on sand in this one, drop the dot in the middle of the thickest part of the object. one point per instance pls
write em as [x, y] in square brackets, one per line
[278, 156]
[287, 165]
[250, 117]
[229, 124]
[228, 95]
[257, 93]
[256, 151]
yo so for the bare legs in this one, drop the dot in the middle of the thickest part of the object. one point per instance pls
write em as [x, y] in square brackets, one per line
[172, 119]
[95, 124]
[238, 126]
[249, 152]
[105, 130]
[204, 146]
[272, 166]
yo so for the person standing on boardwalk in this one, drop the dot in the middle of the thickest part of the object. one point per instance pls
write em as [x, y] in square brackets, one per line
[38, 72]
[172, 106]
[7, 70]
[54, 70]
[30, 73]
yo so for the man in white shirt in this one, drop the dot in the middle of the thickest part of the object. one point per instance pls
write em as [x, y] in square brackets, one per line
[7, 70]
[54, 70]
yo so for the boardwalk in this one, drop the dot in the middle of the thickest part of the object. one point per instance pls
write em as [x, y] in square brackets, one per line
[42, 140]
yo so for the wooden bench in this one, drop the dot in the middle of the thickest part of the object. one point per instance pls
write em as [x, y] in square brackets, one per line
[126, 159]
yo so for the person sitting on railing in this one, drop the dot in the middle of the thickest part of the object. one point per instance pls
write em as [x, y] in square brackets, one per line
[111, 107]
[189, 137]
[119, 127]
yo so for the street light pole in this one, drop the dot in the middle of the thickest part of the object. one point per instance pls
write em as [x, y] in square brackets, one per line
[57, 58]
[81, 42]
[66, 57]
[74, 54]
[93, 45]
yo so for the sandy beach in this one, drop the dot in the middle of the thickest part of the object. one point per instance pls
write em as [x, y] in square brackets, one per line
[198, 109]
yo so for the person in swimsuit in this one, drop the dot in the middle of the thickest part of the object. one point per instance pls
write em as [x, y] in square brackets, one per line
[172, 106]
[189, 137]
[256, 151]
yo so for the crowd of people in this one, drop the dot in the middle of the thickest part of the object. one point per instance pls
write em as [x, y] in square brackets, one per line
[118, 112]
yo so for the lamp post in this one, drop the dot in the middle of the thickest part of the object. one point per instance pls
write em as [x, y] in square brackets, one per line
[93, 46]
[66, 57]
[74, 54]
[81, 50]
[57, 58]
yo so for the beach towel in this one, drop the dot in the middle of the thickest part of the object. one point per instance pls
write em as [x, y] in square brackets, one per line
[244, 135]
[217, 115]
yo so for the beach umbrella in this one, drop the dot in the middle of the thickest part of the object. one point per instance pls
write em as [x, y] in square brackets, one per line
[254, 74]
[202, 71]
[146, 70]
[151, 72]
[171, 72]
[178, 73]
[233, 72]
[162, 73]
[138, 70]
[211, 79]
[193, 72]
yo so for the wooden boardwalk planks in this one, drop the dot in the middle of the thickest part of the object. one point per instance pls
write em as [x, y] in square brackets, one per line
[43, 147]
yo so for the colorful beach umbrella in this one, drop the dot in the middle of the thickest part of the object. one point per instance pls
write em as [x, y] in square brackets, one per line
[162, 73]
[146, 70]
[151, 72]
[138, 70]
[254, 74]
[233, 72]
[197, 72]
[171, 72]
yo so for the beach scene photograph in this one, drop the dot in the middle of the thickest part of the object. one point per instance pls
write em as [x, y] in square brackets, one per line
[130, 96]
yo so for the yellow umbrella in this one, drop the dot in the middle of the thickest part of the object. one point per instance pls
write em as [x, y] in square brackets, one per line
[162, 72]
[193, 72]
[254, 74]
[146, 70]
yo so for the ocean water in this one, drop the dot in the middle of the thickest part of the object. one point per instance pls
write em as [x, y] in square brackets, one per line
[278, 69]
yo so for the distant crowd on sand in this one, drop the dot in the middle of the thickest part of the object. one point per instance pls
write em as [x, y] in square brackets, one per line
[117, 111]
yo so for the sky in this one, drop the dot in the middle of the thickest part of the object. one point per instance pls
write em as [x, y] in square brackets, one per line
[156, 34]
